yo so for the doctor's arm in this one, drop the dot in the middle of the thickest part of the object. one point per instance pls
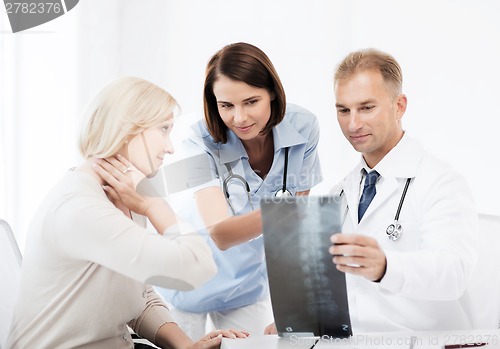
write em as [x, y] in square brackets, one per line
[227, 231]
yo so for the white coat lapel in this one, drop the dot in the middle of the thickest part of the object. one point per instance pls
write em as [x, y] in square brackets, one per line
[351, 192]
[400, 163]
[383, 193]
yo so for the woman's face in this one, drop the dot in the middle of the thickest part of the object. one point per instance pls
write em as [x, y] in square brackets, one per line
[147, 149]
[244, 109]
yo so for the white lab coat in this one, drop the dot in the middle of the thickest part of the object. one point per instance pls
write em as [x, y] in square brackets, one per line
[429, 266]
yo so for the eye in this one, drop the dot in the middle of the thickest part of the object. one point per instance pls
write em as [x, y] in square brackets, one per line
[225, 105]
[165, 128]
[252, 101]
[342, 111]
[367, 107]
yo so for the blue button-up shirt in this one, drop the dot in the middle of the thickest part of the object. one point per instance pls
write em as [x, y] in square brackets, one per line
[242, 276]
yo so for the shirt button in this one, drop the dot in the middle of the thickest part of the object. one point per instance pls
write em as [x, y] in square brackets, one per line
[144, 294]
[124, 337]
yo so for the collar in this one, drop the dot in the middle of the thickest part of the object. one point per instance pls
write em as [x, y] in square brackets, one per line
[284, 135]
[401, 162]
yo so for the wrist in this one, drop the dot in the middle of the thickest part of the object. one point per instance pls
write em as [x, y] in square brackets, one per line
[383, 272]
[147, 206]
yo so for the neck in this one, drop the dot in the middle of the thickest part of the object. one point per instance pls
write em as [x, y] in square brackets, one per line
[87, 166]
[373, 159]
[259, 144]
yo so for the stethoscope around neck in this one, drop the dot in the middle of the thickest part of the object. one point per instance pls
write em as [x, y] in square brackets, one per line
[395, 229]
[283, 192]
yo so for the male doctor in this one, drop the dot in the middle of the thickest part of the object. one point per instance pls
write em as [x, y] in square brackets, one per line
[407, 244]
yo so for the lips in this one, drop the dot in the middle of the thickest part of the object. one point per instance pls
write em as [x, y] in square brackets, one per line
[244, 128]
[359, 138]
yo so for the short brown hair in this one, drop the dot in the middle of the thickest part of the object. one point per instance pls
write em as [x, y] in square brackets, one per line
[247, 63]
[372, 59]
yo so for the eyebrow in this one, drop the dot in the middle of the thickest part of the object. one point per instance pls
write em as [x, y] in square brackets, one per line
[368, 101]
[245, 100]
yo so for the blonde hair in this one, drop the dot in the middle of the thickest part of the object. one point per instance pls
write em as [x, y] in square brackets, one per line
[125, 107]
[372, 59]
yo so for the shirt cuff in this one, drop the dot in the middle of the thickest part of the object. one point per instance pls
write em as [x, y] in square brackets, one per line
[155, 315]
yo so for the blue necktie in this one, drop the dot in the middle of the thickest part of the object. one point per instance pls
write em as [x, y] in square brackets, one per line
[369, 192]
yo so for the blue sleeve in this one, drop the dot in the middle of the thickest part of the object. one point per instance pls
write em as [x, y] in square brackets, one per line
[311, 168]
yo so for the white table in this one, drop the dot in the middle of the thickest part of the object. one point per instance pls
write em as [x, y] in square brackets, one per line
[268, 342]
[376, 340]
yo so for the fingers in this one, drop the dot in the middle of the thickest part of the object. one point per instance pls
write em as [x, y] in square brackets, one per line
[359, 255]
[209, 343]
[111, 193]
[114, 171]
[353, 239]
[117, 166]
[230, 333]
[120, 163]
[271, 329]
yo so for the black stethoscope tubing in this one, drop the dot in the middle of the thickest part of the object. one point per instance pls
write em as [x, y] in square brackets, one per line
[402, 200]
[395, 229]
[285, 170]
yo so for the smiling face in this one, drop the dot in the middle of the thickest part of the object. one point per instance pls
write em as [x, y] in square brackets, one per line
[147, 149]
[244, 109]
[369, 115]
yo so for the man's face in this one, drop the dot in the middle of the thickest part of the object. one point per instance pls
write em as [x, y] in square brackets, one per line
[369, 116]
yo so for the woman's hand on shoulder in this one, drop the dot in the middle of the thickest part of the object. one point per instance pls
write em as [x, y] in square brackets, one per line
[121, 178]
[214, 338]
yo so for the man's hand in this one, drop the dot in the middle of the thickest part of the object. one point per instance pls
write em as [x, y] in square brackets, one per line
[271, 329]
[359, 255]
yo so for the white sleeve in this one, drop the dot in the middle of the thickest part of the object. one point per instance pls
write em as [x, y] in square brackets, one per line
[92, 228]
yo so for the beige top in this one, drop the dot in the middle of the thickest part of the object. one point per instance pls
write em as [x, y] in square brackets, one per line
[86, 268]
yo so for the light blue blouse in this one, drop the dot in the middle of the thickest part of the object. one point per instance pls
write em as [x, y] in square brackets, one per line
[242, 275]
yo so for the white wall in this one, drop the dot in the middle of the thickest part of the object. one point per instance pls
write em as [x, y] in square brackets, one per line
[448, 49]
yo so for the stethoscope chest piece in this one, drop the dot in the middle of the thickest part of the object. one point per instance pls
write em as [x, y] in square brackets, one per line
[394, 231]
[283, 193]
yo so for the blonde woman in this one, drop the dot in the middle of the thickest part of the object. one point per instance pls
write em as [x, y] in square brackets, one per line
[89, 261]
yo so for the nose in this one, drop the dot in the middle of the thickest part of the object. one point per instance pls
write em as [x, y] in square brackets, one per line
[168, 147]
[239, 115]
[355, 122]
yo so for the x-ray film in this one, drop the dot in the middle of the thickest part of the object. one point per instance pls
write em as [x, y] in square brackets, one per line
[308, 293]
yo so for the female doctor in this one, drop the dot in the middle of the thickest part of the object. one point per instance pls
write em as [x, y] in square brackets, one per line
[258, 146]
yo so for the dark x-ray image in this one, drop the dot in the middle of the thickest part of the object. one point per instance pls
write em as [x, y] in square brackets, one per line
[308, 293]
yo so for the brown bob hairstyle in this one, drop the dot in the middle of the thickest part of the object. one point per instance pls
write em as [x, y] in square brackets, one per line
[246, 63]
